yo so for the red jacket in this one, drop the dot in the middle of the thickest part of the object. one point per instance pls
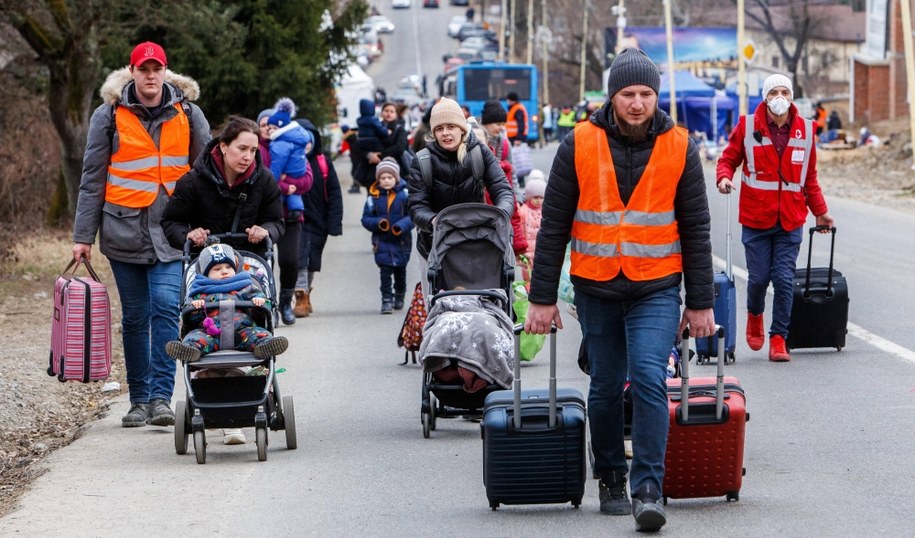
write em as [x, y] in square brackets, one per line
[773, 190]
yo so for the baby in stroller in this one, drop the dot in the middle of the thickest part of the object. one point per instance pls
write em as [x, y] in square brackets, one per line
[218, 280]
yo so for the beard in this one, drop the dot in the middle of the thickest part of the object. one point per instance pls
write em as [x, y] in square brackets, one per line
[635, 132]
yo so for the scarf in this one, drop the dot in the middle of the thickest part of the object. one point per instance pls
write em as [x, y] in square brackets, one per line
[209, 286]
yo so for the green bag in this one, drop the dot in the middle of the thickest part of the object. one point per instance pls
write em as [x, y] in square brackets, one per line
[531, 344]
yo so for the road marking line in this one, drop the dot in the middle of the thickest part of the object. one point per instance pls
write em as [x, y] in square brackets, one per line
[854, 330]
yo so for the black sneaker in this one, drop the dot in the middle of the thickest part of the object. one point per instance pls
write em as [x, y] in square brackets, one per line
[135, 417]
[180, 351]
[160, 414]
[387, 307]
[647, 509]
[613, 498]
[271, 347]
[398, 302]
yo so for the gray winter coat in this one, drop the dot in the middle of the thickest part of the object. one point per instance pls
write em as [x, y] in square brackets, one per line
[131, 235]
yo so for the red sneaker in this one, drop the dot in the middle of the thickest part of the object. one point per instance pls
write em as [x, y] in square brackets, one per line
[777, 350]
[755, 335]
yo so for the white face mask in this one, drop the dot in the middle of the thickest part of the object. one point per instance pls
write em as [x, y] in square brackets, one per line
[778, 105]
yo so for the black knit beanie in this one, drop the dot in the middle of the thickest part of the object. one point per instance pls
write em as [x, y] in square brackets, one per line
[493, 112]
[632, 67]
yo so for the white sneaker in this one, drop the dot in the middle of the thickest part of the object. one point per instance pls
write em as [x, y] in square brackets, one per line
[233, 437]
[627, 448]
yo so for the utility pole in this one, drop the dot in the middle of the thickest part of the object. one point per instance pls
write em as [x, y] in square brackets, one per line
[502, 10]
[530, 31]
[545, 43]
[584, 48]
[671, 73]
[511, 35]
[620, 11]
[741, 60]
[909, 62]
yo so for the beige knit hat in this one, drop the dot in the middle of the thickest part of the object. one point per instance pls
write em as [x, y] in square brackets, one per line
[448, 111]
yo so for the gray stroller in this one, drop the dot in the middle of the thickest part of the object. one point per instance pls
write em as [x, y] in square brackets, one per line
[233, 402]
[471, 255]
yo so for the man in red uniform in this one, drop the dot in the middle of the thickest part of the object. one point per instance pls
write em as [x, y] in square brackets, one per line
[777, 150]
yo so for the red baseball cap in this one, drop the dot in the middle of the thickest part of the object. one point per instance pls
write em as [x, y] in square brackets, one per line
[147, 51]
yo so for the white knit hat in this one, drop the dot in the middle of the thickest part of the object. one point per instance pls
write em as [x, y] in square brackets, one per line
[448, 111]
[774, 81]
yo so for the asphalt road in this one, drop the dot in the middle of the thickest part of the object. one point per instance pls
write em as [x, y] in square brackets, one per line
[828, 448]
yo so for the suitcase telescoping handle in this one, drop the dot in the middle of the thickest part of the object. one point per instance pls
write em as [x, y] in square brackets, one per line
[516, 384]
[832, 251]
[684, 374]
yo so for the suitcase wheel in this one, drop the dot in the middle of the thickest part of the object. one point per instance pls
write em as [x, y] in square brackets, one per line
[576, 502]
[733, 496]
[664, 499]
[493, 505]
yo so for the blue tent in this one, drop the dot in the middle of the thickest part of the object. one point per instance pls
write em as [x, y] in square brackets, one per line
[700, 107]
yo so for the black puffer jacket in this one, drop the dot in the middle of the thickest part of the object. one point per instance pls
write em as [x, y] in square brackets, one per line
[629, 160]
[203, 200]
[453, 183]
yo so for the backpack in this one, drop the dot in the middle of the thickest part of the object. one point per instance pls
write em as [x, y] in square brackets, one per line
[411, 332]
[476, 163]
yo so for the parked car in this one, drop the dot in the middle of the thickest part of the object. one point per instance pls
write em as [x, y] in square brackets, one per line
[470, 29]
[430, 3]
[460, 2]
[380, 24]
[454, 26]
[400, 4]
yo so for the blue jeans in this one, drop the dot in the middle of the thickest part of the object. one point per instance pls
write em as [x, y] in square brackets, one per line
[634, 338]
[150, 296]
[772, 256]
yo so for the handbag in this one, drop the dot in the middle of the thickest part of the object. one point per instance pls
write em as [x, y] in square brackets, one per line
[411, 332]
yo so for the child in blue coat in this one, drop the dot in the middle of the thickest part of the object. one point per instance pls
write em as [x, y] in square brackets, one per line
[386, 216]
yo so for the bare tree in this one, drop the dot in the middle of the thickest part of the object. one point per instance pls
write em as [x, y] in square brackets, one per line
[63, 34]
[799, 30]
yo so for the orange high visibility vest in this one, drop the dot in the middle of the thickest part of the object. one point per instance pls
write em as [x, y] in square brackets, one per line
[138, 167]
[511, 125]
[640, 238]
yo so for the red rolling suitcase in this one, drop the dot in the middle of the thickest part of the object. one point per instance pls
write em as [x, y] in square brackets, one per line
[81, 327]
[706, 440]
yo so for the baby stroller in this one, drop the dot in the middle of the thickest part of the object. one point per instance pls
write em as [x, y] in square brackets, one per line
[240, 401]
[471, 255]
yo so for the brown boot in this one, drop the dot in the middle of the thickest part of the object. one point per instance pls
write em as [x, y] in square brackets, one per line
[301, 308]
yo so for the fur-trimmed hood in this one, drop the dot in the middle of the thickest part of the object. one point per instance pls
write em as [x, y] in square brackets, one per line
[113, 88]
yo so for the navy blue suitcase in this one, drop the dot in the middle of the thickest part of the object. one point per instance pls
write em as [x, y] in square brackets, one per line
[534, 442]
[726, 316]
[725, 310]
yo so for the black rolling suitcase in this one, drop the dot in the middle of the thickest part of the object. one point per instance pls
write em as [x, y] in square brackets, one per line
[534, 442]
[819, 312]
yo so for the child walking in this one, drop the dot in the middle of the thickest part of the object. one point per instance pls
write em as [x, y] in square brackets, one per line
[216, 281]
[386, 216]
[530, 212]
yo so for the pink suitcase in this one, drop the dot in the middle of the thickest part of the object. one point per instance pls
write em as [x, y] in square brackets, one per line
[81, 327]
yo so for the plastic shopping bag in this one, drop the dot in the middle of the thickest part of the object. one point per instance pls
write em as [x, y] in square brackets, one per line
[531, 344]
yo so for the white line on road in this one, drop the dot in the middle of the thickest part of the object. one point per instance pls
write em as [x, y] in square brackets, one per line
[855, 330]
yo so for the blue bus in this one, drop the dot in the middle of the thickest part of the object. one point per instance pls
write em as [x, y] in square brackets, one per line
[472, 84]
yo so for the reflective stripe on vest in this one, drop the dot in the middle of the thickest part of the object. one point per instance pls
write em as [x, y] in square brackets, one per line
[750, 142]
[511, 125]
[640, 238]
[138, 167]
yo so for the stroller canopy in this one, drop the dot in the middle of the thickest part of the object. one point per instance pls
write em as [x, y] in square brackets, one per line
[471, 247]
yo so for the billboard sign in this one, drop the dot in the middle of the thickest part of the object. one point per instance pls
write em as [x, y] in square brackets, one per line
[693, 44]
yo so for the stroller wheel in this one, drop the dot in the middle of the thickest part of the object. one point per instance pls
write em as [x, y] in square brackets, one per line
[427, 424]
[289, 423]
[261, 436]
[432, 411]
[181, 432]
[200, 446]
